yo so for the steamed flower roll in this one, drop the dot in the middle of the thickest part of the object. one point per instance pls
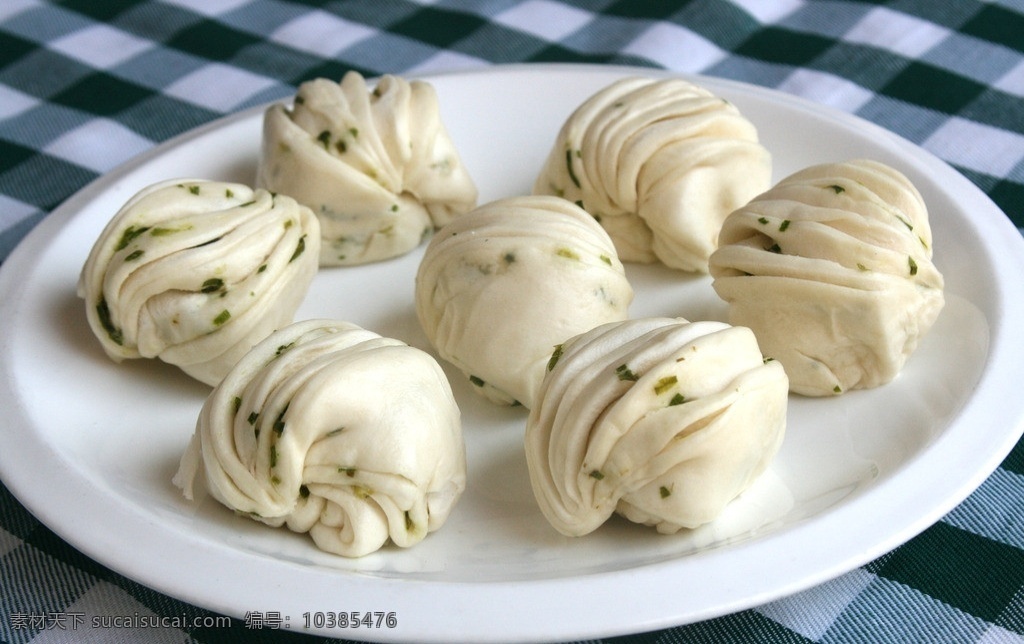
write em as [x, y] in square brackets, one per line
[196, 272]
[832, 269]
[336, 431]
[660, 420]
[377, 166]
[501, 285]
[660, 163]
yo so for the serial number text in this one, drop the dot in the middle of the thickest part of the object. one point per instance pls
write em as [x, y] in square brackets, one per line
[350, 619]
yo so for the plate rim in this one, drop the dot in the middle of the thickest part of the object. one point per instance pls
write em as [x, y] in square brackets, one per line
[943, 447]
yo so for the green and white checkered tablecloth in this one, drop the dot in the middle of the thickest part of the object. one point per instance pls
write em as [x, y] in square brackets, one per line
[85, 85]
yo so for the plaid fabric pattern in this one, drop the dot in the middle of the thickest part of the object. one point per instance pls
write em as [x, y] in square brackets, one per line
[86, 85]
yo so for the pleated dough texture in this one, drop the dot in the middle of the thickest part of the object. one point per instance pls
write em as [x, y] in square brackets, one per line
[332, 430]
[378, 166]
[660, 163]
[196, 272]
[500, 286]
[660, 420]
[832, 269]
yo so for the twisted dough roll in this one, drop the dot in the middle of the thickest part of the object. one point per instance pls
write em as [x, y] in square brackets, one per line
[500, 286]
[832, 270]
[660, 163]
[658, 419]
[336, 431]
[377, 167]
[196, 272]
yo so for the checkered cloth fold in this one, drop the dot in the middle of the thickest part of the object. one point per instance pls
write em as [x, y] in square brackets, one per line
[85, 85]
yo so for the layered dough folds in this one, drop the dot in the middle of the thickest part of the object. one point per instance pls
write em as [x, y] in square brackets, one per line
[500, 286]
[832, 270]
[336, 431]
[658, 419]
[377, 166]
[660, 163]
[196, 272]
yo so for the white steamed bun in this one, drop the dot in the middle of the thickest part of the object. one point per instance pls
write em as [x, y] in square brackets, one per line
[660, 163]
[658, 419]
[832, 269]
[501, 285]
[335, 431]
[196, 272]
[377, 166]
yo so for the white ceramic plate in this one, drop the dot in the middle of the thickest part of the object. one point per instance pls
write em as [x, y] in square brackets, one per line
[90, 447]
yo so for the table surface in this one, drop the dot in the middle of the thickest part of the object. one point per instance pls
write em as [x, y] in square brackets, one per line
[87, 85]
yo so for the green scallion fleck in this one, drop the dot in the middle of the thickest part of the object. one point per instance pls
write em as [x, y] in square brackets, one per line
[212, 285]
[304, 491]
[299, 249]
[567, 253]
[784, 225]
[774, 248]
[222, 317]
[477, 381]
[555, 355]
[128, 236]
[913, 265]
[134, 255]
[836, 188]
[324, 138]
[103, 313]
[597, 475]
[664, 384]
[664, 492]
[164, 231]
[624, 373]
[677, 399]
[194, 189]
[253, 417]
[568, 165]
[279, 421]
[236, 404]
[273, 456]
[347, 471]
[206, 243]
